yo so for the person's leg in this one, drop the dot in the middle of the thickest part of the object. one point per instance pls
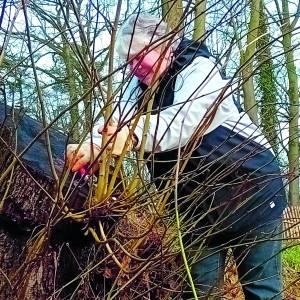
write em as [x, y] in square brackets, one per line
[208, 274]
[259, 263]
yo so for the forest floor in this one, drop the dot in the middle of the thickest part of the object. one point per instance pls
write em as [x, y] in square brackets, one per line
[291, 284]
[291, 280]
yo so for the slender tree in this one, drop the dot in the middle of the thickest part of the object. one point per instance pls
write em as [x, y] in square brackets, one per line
[172, 12]
[267, 83]
[293, 94]
[247, 58]
[200, 16]
[72, 89]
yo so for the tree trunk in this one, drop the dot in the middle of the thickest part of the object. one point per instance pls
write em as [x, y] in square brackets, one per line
[247, 62]
[34, 256]
[267, 84]
[72, 90]
[172, 12]
[200, 16]
[45, 252]
[293, 94]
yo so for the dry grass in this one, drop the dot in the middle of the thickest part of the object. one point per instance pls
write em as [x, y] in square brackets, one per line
[291, 280]
[232, 286]
[291, 283]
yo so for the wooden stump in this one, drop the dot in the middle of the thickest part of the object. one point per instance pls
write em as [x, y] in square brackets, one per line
[33, 261]
[46, 255]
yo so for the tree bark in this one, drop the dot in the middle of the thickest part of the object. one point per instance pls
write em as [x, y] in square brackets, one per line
[200, 17]
[267, 84]
[72, 90]
[32, 265]
[172, 12]
[46, 254]
[247, 58]
[293, 94]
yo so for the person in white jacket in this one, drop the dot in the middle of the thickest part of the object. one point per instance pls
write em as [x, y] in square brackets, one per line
[232, 164]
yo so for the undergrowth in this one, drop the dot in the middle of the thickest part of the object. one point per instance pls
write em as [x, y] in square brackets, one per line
[291, 256]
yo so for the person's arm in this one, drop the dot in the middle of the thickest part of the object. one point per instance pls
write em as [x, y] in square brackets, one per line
[197, 88]
[124, 108]
[78, 158]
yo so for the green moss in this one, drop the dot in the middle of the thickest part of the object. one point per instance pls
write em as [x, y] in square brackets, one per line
[291, 257]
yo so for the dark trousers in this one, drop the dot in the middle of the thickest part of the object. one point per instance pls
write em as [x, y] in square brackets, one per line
[258, 257]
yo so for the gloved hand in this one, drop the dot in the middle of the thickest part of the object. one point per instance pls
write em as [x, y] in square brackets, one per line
[79, 158]
[120, 137]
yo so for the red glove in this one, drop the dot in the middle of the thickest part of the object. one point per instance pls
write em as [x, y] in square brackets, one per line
[78, 159]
